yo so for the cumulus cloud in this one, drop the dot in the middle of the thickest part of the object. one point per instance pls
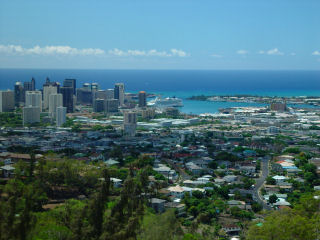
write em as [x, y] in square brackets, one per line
[242, 52]
[316, 53]
[274, 51]
[216, 55]
[153, 52]
[50, 50]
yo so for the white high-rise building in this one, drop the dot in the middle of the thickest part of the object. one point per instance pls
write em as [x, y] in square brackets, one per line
[31, 115]
[129, 123]
[61, 116]
[119, 93]
[6, 101]
[55, 100]
[34, 99]
[47, 91]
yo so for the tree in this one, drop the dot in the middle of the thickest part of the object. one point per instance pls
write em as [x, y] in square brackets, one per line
[256, 207]
[213, 165]
[284, 225]
[273, 198]
[270, 180]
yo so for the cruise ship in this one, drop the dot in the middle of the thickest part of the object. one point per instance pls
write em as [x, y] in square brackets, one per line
[166, 102]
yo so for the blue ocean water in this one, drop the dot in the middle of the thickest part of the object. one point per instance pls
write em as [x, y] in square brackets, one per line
[182, 83]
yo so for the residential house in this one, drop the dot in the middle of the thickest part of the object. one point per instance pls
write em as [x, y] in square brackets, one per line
[158, 204]
[7, 171]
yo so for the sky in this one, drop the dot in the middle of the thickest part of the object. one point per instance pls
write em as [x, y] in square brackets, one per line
[166, 34]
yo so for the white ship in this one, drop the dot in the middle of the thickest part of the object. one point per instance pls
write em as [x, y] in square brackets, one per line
[166, 102]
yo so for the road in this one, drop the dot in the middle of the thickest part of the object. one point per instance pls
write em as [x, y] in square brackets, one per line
[183, 175]
[265, 172]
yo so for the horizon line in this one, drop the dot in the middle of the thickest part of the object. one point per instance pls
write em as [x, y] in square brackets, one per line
[157, 69]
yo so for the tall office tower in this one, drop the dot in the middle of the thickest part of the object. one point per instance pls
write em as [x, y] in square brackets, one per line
[48, 89]
[33, 84]
[110, 93]
[6, 101]
[98, 105]
[67, 98]
[84, 96]
[61, 116]
[71, 83]
[18, 94]
[111, 105]
[130, 123]
[87, 86]
[119, 93]
[142, 99]
[100, 94]
[55, 100]
[31, 115]
[54, 84]
[27, 86]
[94, 87]
[34, 99]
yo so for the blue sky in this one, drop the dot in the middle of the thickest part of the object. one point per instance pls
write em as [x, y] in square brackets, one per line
[166, 34]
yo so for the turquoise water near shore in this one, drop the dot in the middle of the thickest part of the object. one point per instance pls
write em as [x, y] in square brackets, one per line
[199, 107]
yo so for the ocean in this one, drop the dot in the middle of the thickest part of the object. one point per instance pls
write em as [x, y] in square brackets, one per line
[183, 83]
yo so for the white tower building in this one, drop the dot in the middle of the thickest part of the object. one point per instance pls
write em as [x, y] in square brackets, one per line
[61, 116]
[55, 100]
[47, 91]
[34, 99]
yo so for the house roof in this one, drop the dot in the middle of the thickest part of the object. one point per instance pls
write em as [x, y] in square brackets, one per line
[157, 200]
[176, 189]
[7, 168]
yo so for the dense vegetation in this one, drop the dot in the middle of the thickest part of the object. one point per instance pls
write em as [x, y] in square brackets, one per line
[106, 212]
[300, 223]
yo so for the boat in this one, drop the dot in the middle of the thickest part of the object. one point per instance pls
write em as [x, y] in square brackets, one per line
[165, 102]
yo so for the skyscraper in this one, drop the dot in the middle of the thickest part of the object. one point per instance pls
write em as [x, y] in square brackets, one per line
[142, 99]
[84, 96]
[33, 84]
[111, 105]
[110, 93]
[48, 89]
[71, 83]
[67, 98]
[18, 94]
[6, 101]
[99, 105]
[34, 99]
[100, 94]
[119, 93]
[55, 100]
[61, 116]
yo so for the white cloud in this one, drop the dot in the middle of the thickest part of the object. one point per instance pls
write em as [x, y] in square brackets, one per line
[316, 53]
[216, 55]
[67, 50]
[242, 52]
[153, 52]
[274, 51]
[49, 50]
